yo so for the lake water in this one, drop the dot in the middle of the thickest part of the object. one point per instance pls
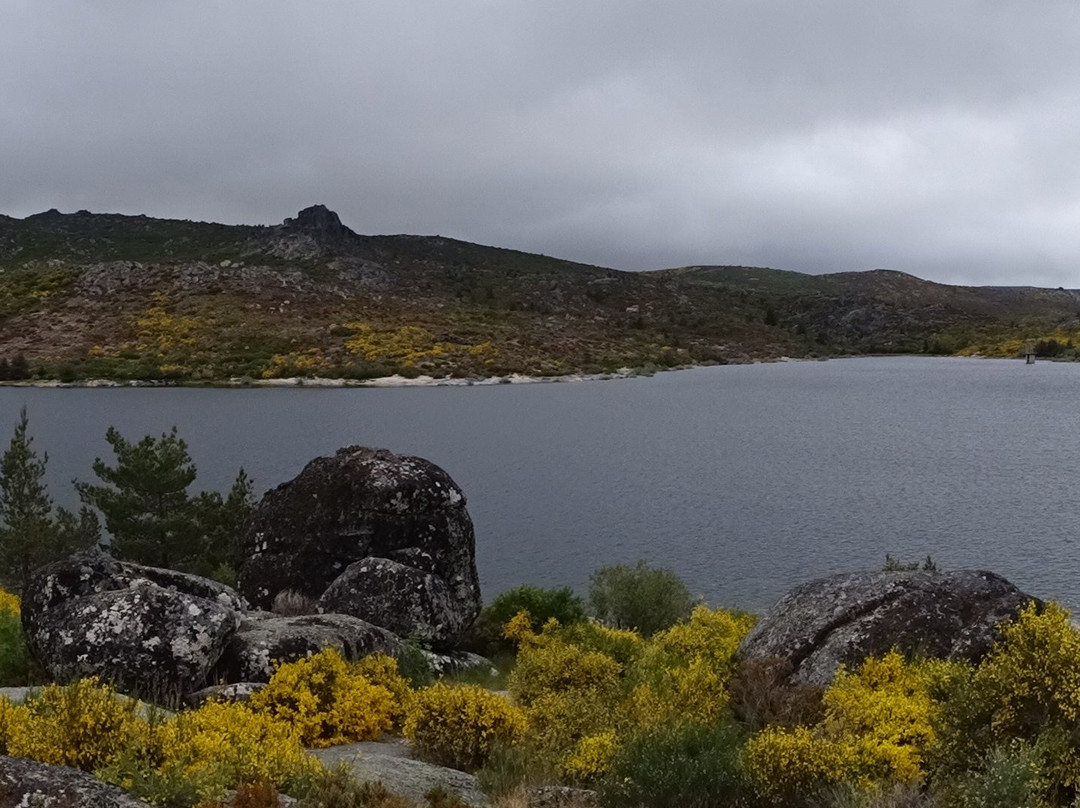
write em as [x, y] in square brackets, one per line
[745, 480]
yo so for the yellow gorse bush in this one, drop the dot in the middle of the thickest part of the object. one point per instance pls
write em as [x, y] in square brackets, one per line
[710, 635]
[382, 670]
[326, 702]
[226, 744]
[878, 725]
[783, 765]
[1033, 671]
[550, 664]
[591, 759]
[9, 603]
[889, 707]
[622, 645]
[684, 671]
[460, 726]
[85, 725]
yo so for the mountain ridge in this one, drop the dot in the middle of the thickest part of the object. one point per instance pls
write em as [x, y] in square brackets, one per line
[86, 295]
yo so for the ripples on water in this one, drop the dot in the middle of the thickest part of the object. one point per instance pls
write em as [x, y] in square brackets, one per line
[745, 480]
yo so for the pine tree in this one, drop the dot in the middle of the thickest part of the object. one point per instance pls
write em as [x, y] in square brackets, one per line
[145, 501]
[153, 518]
[30, 534]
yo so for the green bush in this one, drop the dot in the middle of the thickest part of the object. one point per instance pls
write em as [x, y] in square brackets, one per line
[511, 767]
[338, 788]
[682, 766]
[541, 604]
[17, 666]
[1008, 776]
[644, 598]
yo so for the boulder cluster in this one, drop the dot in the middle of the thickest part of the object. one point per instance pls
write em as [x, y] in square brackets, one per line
[380, 545]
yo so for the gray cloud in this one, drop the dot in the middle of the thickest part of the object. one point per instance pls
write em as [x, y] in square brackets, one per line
[931, 137]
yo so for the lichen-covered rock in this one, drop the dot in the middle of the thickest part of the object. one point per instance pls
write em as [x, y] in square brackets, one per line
[253, 651]
[146, 630]
[26, 783]
[844, 618]
[396, 526]
[403, 599]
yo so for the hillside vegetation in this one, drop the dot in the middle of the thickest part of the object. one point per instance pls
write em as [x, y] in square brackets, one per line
[130, 297]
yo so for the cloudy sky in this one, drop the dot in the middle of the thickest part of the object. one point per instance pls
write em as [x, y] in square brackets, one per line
[939, 138]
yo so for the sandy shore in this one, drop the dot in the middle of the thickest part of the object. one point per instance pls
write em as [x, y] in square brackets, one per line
[384, 381]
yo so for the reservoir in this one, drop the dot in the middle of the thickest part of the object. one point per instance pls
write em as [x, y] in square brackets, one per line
[745, 480]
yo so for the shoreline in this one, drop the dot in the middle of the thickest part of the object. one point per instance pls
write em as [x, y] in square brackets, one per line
[320, 382]
[447, 381]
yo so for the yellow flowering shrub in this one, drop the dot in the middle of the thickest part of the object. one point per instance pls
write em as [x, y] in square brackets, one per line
[382, 670]
[684, 670]
[695, 693]
[460, 726]
[1033, 671]
[878, 726]
[552, 665]
[783, 765]
[1026, 690]
[710, 635]
[519, 629]
[889, 707]
[85, 725]
[9, 603]
[325, 701]
[624, 646]
[224, 744]
[591, 759]
[557, 721]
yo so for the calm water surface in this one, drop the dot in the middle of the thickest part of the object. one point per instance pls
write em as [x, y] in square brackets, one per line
[745, 480]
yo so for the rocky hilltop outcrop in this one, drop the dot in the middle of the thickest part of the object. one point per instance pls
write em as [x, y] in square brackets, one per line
[842, 619]
[382, 541]
[382, 537]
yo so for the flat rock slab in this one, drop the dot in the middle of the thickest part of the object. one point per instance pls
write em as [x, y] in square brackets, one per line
[409, 778]
[842, 619]
[25, 783]
[17, 695]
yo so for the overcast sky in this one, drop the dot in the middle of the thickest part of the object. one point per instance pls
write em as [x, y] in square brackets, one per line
[938, 138]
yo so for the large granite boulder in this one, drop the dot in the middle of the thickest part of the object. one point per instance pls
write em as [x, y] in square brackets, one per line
[844, 618]
[383, 537]
[265, 639]
[146, 630]
[25, 783]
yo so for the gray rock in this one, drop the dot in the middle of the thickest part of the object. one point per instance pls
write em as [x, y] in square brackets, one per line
[844, 618]
[409, 778]
[148, 631]
[394, 529]
[17, 695]
[27, 784]
[408, 601]
[252, 652]
[239, 692]
[188, 584]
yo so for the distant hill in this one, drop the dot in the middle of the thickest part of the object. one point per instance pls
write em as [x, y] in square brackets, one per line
[130, 297]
